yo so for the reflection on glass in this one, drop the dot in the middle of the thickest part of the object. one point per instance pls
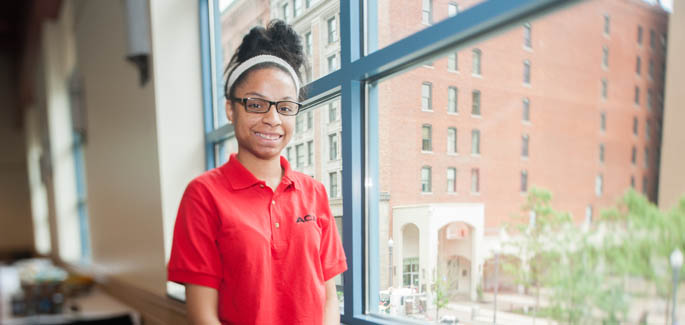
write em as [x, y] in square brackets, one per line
[457, 227]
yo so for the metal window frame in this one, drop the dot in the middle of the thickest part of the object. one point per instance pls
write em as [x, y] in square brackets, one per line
[362, 65]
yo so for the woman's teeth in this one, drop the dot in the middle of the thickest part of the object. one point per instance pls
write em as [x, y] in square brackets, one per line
[268, 136]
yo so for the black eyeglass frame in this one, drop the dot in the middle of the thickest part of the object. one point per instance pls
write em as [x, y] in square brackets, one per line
[244, 100]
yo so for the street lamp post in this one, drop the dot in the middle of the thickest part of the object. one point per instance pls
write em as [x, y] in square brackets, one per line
[676, 264]
[390, 244]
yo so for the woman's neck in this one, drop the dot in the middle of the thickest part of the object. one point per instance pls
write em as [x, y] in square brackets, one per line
[270, 171]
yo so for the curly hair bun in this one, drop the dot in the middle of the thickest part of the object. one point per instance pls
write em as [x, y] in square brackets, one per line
[278, 39]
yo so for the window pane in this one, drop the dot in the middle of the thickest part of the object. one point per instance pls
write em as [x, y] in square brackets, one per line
[563, 135]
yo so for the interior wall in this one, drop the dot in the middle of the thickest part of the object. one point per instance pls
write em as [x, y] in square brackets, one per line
[121, 154]
[16, 232]
[672, 178]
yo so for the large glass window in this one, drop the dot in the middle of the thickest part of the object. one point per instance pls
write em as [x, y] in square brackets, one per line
[396, 272]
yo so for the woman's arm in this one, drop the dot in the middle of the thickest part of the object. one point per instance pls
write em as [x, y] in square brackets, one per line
[203, 305]
[331, 311]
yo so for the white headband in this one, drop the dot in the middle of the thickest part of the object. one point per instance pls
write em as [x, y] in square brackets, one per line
[241, 68]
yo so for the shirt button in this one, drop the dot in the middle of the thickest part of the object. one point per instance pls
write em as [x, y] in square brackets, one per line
[277, 225]
[273, 202]
[261, 185]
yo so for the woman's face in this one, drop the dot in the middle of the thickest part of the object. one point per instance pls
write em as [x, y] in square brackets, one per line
[262, 135]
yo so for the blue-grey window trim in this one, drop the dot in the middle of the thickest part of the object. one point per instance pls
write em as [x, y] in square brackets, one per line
[354, 82]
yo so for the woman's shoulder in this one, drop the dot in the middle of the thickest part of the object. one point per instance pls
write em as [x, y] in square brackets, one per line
[207, 181]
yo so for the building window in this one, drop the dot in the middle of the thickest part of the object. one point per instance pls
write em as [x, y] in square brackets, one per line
[524, 146]
[638, 65]
[308, 45]
[427, 12]
[649, 98]
[652, 39]
[632, 181]
[644, 184]
[636, 97]
[526, 109]
[639, 34]
[647, 133]
[603, 121]
[410, 272]
[452, 64]
[426, 96]
[599, 185]
[426, 138]
[310, 153]
[633, 155]
[451, 180]
[601, 152]
[333, 185]
[451, 140]
[605, 56]
[299, 152]
[475, 181]
[607, 21]
[284, 12]
[310, 120]
[651, 68]
[475, 142]
[333, 146]
[331, 63]
[475, 102]
[588, 214]
[299, 123]
[332, 112]
[635, 125]
[297, 8]
[646, 157]
[526, 72]
[524, 181]
[605, 88]
[289, 154]
[332, 30]
[527, 36]
[477, 61]
[452, 99]
[452, 9]
[426, 179]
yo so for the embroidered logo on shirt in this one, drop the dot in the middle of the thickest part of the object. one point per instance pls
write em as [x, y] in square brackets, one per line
[306, 218]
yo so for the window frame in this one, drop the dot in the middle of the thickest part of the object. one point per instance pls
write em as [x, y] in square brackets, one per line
[360, 67]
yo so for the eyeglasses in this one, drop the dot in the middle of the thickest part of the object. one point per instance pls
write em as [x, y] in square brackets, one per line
[262, 106]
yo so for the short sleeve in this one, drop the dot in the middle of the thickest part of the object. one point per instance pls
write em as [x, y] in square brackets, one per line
[333, 260]
[195, 256]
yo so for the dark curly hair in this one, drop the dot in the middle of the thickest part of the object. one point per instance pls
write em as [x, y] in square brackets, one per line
[277, 39]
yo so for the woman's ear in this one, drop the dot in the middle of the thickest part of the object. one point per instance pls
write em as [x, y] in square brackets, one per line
[229, 111]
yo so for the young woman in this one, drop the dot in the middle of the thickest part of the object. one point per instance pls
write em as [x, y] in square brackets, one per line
[255, 241]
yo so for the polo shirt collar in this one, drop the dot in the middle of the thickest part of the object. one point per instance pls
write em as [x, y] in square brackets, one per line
[240, 177]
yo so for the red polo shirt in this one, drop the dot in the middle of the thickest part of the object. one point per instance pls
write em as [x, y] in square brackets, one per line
[268, 253]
